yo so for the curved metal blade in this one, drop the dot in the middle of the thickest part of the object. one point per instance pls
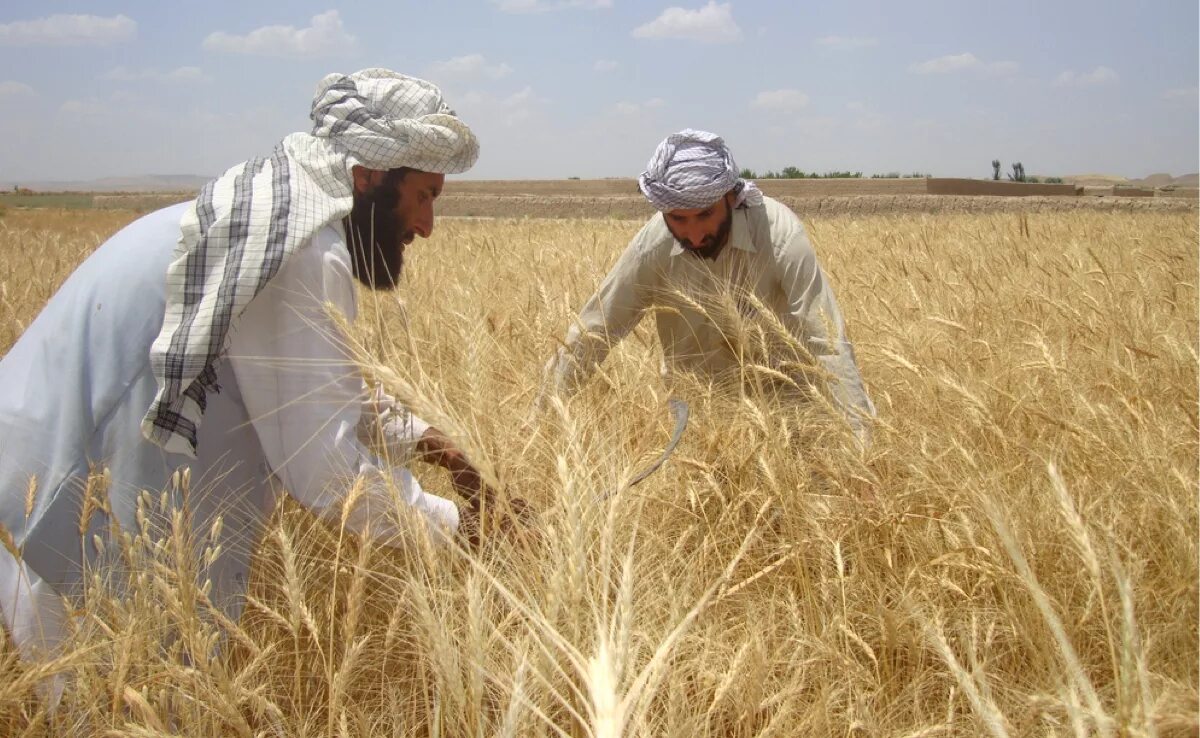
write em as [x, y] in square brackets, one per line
[679, 411]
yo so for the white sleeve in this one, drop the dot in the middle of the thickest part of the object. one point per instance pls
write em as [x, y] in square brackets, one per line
[304, 397]
[816, 320]
[384, 419]
[608, 315]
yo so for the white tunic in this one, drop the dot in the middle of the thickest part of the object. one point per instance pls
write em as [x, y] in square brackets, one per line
[768, 255]
[290, 413]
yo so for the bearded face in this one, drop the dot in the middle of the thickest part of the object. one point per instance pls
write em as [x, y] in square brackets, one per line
[378, 229]
[702, 232]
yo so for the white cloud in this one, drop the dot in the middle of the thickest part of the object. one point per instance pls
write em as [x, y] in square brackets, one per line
[1182, 93]
[632, 108]
[68, 30]
[1096, 77]
[865, 117]
[712, 24]
[780, 101]
[1003, 68]
[543, 6]
[324, 37]
[605, 65]
[11, 88]
[846, 43]
[517, 99]
[509, 110]
[518, 107]
[90, 108]
[962, 62]
[470, 65]
[179, 74]
[944, 64]
[127, 97]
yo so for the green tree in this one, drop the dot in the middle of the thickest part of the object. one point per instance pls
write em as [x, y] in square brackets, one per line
[995, 169]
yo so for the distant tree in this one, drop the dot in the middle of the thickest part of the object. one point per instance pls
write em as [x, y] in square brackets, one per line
[995, 169]
[748, 174]
[792, 173]
[1018, 172]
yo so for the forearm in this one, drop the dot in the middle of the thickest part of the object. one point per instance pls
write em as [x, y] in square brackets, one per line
[574, 363]
[846, 390]
[436, 448]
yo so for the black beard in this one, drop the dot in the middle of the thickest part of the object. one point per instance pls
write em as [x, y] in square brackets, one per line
[376, 238]
[711, 246]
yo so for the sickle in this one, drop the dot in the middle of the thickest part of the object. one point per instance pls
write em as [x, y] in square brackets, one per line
[679, 411]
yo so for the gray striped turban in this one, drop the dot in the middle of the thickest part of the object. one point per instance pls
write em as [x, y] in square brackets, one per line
[694, 169]
[248, 222]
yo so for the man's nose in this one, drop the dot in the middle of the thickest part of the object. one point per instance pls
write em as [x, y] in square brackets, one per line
[694, 234]
[423, 225]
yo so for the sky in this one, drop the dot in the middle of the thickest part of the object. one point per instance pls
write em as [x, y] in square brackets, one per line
[587, 88]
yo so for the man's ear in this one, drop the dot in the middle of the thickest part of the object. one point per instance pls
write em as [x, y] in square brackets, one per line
[364, 179]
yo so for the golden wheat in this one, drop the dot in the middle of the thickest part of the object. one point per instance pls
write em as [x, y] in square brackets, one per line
[1016, 553]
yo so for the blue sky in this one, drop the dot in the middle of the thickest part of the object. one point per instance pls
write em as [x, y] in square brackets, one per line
[558, 88]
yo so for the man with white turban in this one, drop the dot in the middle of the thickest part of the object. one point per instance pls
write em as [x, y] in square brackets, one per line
[199, 338]
[715, 236]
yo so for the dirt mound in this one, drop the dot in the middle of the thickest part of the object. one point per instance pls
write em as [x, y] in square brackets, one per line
[1096, 180]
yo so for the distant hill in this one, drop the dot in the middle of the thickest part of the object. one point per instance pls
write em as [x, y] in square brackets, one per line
[143, 183]
[1161, 179]
[1187, 180]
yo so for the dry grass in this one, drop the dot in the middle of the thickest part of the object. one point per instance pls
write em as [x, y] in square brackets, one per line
[1016, 554]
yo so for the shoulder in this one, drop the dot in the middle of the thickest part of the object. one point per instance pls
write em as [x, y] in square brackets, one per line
[321, 267]
[788, 237]
[784, 224]
[653, 236]
[325, 252]
[650, 244]
[329, 245]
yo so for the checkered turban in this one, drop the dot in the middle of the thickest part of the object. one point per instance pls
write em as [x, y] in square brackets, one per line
[386, 120]
[694, 169]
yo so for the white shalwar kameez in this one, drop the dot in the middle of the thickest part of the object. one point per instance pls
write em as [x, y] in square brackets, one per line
[291, 413]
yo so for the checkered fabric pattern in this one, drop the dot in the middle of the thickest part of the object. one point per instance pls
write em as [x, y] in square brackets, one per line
[245, 225]
[694, 169]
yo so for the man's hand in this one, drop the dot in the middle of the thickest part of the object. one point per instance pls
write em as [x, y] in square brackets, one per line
[512, 519]
[485, 514]
[436, 447]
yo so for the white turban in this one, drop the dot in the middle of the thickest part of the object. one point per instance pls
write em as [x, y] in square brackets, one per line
[386, 120]
[248, 222]
[694, 169]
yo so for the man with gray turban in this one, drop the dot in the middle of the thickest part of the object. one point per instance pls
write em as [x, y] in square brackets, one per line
[199, 338]
[716, 241]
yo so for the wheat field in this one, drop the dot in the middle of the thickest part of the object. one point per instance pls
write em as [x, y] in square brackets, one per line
[1014, 555]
